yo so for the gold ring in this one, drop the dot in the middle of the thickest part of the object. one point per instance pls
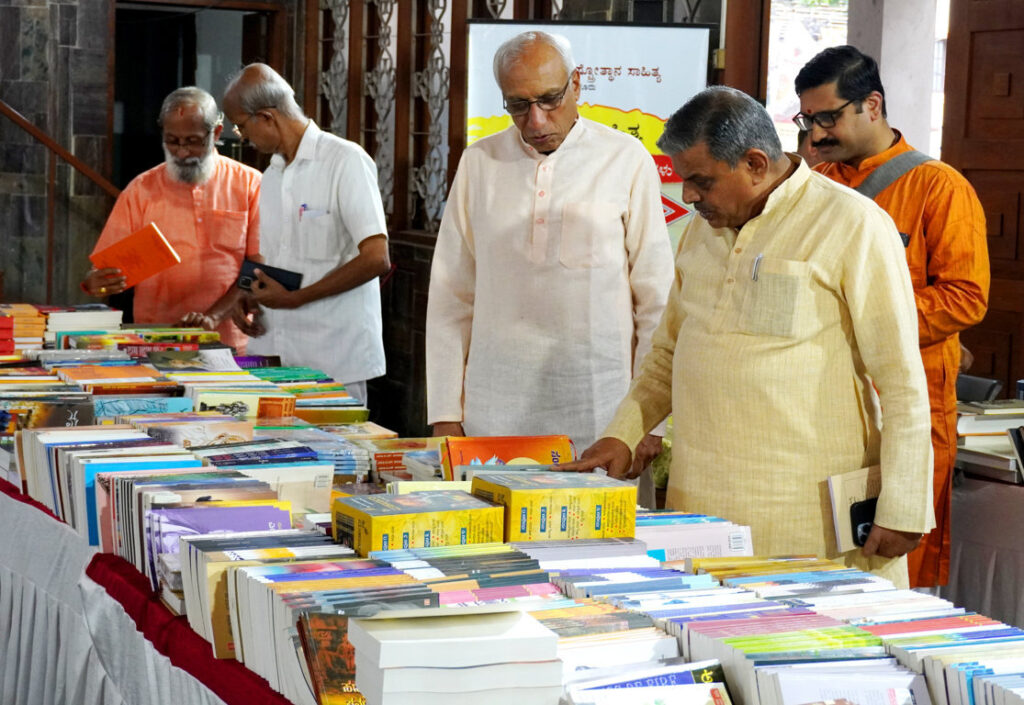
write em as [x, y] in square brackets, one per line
[103, 289]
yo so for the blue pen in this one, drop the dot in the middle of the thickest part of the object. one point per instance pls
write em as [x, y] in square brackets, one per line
[757, 264]
[302, 209]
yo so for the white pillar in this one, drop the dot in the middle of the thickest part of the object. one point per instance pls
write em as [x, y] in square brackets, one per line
[900, 35]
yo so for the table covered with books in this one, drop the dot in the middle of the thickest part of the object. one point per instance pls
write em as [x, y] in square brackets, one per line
[239, 497]
[987, 556]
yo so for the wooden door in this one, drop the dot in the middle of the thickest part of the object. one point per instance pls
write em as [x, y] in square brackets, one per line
[983, 137]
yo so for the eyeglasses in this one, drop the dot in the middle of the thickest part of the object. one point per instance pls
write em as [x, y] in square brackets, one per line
[822, 118]
[549, 102]
[188, 143]
[238, 127]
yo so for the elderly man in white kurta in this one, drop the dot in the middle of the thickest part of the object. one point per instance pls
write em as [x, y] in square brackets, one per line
[791, 306]
[551, 267]
[321, 215]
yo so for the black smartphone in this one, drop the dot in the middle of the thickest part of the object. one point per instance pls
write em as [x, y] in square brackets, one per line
[862, 518]
[286, 278]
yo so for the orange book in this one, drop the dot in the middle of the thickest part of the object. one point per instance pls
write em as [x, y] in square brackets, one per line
[502, 450]
[139, 256]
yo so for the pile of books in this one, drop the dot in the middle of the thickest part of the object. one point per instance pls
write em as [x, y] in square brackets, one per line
[671, 535]
[991, 439]
[94, 317]
[505, 658]
[22, 327]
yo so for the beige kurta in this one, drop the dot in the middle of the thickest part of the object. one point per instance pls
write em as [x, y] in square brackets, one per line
[770, 343]
[548, 279]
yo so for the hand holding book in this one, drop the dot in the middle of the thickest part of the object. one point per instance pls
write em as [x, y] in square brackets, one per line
[104, 282]
[890, 543]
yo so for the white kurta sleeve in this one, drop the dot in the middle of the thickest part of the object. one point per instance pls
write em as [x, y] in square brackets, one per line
[876, 286]
[649, 255]
[450, 306]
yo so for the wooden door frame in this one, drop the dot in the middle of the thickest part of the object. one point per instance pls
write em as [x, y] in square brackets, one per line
[277, 37]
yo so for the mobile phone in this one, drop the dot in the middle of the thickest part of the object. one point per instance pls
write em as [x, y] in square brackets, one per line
[862, 518]
[286, 278]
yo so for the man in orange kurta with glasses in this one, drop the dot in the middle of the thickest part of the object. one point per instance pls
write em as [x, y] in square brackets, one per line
[206, 205]
[942, 225]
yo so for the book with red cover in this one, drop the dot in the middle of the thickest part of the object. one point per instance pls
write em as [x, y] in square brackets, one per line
[139, 256]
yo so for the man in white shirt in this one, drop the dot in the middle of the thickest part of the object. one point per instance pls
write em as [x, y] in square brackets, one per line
[321, 215]
[551, 268]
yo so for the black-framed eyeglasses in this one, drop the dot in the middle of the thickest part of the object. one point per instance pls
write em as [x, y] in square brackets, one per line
[822, 118]
[188, 143]
[519, 107]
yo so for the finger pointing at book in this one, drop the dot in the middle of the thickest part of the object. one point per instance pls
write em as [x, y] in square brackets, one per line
[104, 282]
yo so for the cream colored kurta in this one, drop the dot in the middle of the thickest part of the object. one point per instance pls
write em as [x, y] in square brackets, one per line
[767, 351]
[548, 279]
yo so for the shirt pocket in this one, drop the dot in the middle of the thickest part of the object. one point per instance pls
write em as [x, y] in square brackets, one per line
[317, 239]
[776, 299]
[228, 231]
[592, 235]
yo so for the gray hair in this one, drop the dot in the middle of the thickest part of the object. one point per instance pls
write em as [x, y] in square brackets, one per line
[728, 121]
[191, 95]
[270, 90]
[512, 49]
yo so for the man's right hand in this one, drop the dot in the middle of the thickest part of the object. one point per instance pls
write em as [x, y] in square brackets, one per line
[448, 428]
[248, 316]
[609, 453]
[104, 282]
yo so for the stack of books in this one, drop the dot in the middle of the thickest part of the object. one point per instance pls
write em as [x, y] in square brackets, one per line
[116, 378]
[94, 317]
[501, 658]
[387, 455]
[22, 327]
[351, 462]
[672, 536]
[991, 439]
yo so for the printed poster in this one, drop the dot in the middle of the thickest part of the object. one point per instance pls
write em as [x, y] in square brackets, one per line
[632, 78]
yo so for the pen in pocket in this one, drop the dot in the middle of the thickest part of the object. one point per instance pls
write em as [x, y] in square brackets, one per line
[757, 265]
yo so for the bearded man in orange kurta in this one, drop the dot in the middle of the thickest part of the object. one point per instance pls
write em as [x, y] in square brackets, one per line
[941, 222]
[206, 205]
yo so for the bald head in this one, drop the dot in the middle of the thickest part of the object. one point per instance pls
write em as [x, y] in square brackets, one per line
[524, 44]
[258, 87]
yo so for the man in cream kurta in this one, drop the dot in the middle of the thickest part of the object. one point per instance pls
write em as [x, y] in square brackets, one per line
[791, 304]
[551, 267]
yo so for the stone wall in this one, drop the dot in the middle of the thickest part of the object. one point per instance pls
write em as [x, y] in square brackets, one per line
[54, 71]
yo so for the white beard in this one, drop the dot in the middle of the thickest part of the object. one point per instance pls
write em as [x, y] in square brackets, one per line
[191, 170]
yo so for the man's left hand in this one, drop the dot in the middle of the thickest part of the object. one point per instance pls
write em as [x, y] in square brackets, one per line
[268, 292]
[645, 453]
[890, 543]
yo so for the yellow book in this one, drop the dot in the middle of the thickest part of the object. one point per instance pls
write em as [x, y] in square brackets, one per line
[419, 519]
[541, 506]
